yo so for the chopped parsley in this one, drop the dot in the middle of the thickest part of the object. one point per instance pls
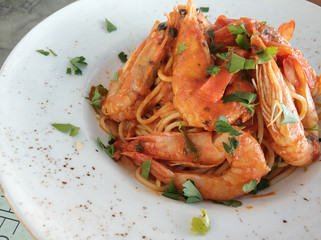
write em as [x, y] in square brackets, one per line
[266, 55]
[230, 203]
[212, 46]
[96, 94]
[123, 57]
[246, 99]
[190, 148]
[77, 63]
[109, 149]
[201, 224]
[43, 52]
[288, 116]
[181, 48]
[250, 186]
[191, 193]
[263, 184]
[146, 168]
[204, 9]
[212, 70]
[238, 63]
[171, 191]
[233, 146]
[66, 127]
[115, 78]
[240, 29]
[110, 27]
[242, 42]
[222, 126]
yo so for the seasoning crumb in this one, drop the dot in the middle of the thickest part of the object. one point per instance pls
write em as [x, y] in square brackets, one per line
[285, 221]
[78, 145]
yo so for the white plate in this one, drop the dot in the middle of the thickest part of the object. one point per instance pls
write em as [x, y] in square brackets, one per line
[61, 193]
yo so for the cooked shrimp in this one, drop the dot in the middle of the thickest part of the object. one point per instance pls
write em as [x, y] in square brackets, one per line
[288, 140]
[189, 75]
[200, 148]
[246, 164]
[137, 75]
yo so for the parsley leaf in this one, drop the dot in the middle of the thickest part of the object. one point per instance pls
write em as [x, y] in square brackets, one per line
[190, 148]
[222, 126]
[201, 224]
[171, 191]
[263, 184]
[110, 27]
[267, 54]
[123, 57]
[181, 48]
[77, 63]
[230, 203]
[146, 168]
[249, 186]
[66, 127]
[109, 149]
[212, 70]
[204, 9]
[288, 116]
[115, 78]
[43, 52]
[225, 56]
[240, 29]
[95, 101]
[245, 99]
[233, 146]
[314, 128]
[191, 192]
[238, 63]
[242, 42]
[95, 95]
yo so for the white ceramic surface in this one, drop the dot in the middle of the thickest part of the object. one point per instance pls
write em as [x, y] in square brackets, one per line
[62, 193]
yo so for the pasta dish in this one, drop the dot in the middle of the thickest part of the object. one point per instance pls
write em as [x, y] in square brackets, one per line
[228, 107]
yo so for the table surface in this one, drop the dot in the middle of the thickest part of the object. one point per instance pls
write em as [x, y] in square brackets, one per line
[17, 18]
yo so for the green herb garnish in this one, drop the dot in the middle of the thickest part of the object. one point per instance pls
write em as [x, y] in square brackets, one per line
[77, 63]
[43, 52]
[263, 184]
[171, 191]
[230, 203]
[225, 56]
[212, 70]
[242, 42]
[204, 9]
[109, 149]
[110, 27]
[222, 126]
[115, 78]
[181, 48]
[190, 148]
[66, 127]
[288, 116]
[123, 57]
[240, 29]
[246, 99]
[267, 54]
[233, 146]
[191, 192]
[146, 168]
[53, 53]
[201, 224]
[250, 186]
[238, 63]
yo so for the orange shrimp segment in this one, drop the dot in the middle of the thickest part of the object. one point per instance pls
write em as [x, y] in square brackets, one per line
[189, 75]
[286, 29]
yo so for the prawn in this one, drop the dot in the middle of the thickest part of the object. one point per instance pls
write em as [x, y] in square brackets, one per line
[198, 148]
[246, 164]
[288, 140]
[137, 75]
[189, 79]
